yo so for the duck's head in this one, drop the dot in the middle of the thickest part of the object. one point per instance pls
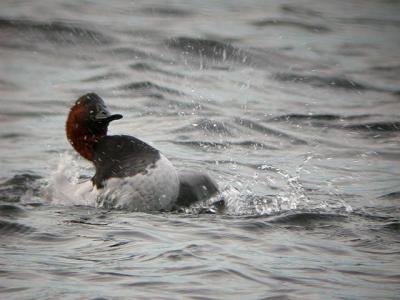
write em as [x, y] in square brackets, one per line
[87, 123]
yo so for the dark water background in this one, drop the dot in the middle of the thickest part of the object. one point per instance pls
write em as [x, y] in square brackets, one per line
[292, 106]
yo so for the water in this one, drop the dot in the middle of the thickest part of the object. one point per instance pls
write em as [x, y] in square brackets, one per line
[292, 107]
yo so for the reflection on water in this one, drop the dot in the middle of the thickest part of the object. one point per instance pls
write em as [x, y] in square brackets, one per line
[292, 107]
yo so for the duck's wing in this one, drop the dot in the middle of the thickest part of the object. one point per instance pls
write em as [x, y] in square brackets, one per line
[195, 186]
[122, 156]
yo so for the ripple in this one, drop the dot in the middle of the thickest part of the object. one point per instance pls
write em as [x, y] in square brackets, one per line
[391, 196]
[315, 28]
[133, 53]
[6, 85]
[386, 68]
[291, 153]
[147, 284]
[149, 68]
[10, 228]
[306, 218]
[340, 122]
[327, 82]
[392, 226]
[176, 255]
[207, 48]
[371, 21]
[135, 234]
[46, 237]
[107, 76]
[317, 117]
[375, 126]
[208, 126]
[13, 189]
[12, 136]
[7, 210]
[205, 145]
[147, 86]
[299, 10]
[55, 32]
[13, 290]
[255, 225]
[167, 11]
[265, 130]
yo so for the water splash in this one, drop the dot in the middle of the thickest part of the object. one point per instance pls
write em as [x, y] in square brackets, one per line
[65, 187]
[257, 196]
[241, 195]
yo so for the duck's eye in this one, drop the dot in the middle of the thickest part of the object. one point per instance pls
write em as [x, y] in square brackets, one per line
[92, 114]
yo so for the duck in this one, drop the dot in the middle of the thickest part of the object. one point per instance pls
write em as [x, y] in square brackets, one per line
[129, 173]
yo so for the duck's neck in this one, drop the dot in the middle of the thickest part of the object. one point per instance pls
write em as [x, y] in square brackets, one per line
[84, 139]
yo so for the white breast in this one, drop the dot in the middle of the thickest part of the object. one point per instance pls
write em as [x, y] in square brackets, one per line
[156, 190]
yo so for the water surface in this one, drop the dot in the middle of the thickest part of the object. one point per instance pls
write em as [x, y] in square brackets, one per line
[293, 107]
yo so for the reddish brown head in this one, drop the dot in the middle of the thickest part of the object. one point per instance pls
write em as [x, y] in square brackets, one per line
[87, 123]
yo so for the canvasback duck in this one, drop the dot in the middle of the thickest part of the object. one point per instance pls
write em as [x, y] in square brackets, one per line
[130, 174]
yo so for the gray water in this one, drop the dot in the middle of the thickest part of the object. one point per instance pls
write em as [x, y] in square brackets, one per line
[293, 107]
